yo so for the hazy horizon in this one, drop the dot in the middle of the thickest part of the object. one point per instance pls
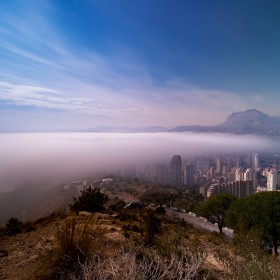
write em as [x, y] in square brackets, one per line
[35, 157]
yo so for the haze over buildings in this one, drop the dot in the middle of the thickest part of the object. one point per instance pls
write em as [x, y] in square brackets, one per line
[39, 157]
[75, 65]
[236, 177]
[175, 171]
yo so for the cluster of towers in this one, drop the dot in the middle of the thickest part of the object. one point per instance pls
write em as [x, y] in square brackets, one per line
[222, 178]
[240, 175]
[175, 173]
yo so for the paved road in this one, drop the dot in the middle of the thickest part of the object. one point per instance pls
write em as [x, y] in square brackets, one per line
[198, 222]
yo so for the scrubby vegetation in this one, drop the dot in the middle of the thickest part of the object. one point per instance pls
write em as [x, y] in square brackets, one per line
[75, 242]
[151, 243]
[258, 214]
[216, 207]
[84, 250]
[91, 199]
[15, 226]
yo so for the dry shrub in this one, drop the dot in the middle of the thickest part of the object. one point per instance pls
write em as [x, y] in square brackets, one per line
[170, 241]
[247, 261]
[144, 264]
[53, 216]
[215, 238]
[76, 242]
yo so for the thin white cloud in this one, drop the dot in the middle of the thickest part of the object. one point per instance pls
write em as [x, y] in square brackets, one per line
[81, 81]
[97, 100]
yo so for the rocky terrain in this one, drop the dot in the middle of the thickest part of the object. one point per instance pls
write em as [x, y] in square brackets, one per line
[22, 254]
[247, 122]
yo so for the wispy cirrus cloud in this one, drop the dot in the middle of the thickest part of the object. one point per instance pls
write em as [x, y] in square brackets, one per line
[138, 105]
[45, 70]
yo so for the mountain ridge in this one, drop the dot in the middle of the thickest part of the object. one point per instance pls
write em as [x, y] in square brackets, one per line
[250, 121]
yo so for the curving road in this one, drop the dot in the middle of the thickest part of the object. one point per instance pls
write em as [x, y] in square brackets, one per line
[201, 223]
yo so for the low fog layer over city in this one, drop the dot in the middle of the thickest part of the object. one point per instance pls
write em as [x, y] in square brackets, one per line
[42, 159]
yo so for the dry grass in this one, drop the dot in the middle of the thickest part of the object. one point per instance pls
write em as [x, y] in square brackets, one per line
[75, 240]
[75, 244]
[247, 261]
[143, 264]
[84, 252]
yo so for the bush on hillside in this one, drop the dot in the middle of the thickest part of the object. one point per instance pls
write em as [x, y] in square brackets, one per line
[91, 200]
[77, 243]
[13, 226]
[152, 226]
[118, 206]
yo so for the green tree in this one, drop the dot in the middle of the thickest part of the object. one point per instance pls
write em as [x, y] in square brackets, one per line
[160, 197]
[118, 206]
[152, 226]
[216, 207]
[258, 214]
[91, 199]
[13, 226]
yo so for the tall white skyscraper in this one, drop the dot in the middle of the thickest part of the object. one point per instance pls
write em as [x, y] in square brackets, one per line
[175, 171]
[248, 174]
[273, 179]
[255, 160]
[238, 175]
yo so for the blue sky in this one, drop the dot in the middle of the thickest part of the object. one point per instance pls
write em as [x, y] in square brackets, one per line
[68, 64]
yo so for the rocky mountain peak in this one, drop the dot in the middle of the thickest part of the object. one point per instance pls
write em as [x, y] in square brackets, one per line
[252, 118]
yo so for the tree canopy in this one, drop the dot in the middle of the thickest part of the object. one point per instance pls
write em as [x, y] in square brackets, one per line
[160, 196]
[91, 199]
[215, 207]
[258, 213]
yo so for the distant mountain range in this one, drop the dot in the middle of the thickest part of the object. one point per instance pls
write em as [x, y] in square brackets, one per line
[127, 129]
[247, 122]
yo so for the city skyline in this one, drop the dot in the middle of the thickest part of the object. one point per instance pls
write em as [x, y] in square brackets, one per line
[78, 64]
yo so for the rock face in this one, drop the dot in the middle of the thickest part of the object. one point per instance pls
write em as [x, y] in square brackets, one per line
[249, 118]
[251, 121]
[247, 122]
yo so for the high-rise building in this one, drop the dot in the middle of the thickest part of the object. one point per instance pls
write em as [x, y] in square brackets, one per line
[189, 172]
[211, 171]
[241, 188]
[248, 174]
[162, 174]
[238, 188]
[203, 165]
[273, 180]
[175, 171]
[238, 163]
[255, 161]
[225, 169]
[238, 175]
[218, 165]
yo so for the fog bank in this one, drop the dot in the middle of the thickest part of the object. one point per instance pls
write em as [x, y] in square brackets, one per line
[27, 157]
